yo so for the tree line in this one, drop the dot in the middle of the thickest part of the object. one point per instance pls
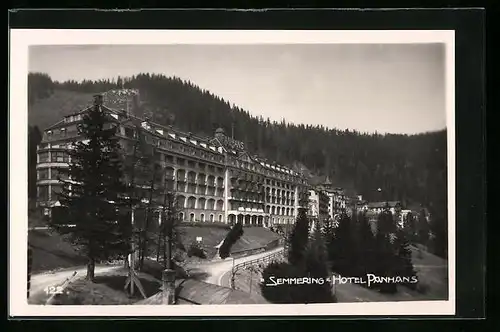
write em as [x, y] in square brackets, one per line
[351, 248]
[408, 168]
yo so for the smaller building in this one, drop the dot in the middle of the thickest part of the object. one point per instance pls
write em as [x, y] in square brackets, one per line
[377, 207]
[318, 206]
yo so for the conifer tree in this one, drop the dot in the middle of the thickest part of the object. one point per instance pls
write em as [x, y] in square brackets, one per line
[385, 222]
[385, 262]
[404, 264]
[315, 265]
[95, 192]
[232, 236]
[342, 249]
[410, 227]
[365, 248]
[423, 227]
[298, 238]
[328, 232]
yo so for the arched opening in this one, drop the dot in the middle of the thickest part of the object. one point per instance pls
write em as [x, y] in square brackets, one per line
[273, 210]
[181, 216]
[220, 217]
[212, 219]
[268, 208]
[232, 218]
[278, 210]
[211, 204]
[191, 217]
[202, 217]
[181, 201]
[201, 203]
[220, 205]
[191, 204]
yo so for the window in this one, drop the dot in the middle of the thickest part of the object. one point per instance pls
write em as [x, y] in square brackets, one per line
[43, 193]
[220, 217]
[202, 217]
[43, 157]
[212, 218]
[60, 157]
[43, 174]
[191, 217]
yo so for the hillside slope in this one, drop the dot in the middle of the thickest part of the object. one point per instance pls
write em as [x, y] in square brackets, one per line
[47, 111]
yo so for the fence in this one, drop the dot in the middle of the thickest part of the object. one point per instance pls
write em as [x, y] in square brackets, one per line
[262, 261]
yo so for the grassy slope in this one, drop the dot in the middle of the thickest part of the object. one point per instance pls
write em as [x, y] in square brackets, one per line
[50, 251]
[46, 112]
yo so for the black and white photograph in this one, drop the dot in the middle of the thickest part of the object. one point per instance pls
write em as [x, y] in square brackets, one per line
[171, 173]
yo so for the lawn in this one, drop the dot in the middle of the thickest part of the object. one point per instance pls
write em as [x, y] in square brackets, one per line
[51, 252]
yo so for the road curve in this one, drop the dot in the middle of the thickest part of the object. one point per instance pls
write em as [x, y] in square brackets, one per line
[40, 281]
[216, 270]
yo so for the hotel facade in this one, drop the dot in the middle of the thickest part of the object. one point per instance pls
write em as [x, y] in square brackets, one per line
[215, 179]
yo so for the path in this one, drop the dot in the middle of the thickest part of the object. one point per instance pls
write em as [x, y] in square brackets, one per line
[216, 270]
[40, 281]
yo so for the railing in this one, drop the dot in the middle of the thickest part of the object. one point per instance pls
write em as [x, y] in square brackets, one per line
[263, 260]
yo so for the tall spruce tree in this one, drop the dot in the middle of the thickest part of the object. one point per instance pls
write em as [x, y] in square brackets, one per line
[410, 227]
[95, 192]
[385, 222]
[298, 238]
[343, 246]
[365, 248]
[328, 232]
[315, 265]
[232, 236]
[404, 264]
[385, 262]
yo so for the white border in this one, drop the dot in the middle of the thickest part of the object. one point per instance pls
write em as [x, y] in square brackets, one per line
[21, 39]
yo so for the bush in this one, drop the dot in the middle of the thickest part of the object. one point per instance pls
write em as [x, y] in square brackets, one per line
[196, 251]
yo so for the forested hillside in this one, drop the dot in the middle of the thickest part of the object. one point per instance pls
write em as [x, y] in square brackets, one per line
[410, 168]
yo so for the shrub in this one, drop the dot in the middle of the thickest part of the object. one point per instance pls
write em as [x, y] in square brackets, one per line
[196, 251]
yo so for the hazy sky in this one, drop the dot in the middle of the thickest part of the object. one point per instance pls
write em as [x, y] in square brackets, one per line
[384, 88]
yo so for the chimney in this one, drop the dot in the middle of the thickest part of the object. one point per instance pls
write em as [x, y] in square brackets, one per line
[97, 100]
[168, 287]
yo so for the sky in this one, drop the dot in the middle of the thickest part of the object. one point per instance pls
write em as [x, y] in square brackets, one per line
[388, 88]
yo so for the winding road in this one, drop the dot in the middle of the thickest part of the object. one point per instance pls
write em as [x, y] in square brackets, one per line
[217, 272]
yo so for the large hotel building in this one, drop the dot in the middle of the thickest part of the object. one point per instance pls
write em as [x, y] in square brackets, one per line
[215, 179]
